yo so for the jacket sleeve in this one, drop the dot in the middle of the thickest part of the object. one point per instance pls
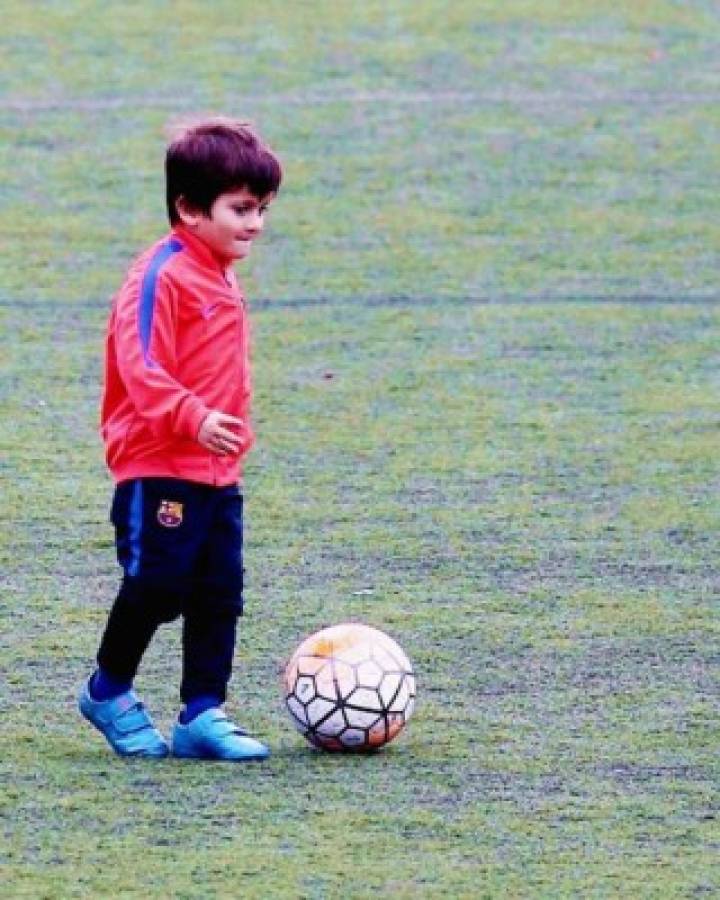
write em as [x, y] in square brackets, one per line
[246, 387]
[145, 338]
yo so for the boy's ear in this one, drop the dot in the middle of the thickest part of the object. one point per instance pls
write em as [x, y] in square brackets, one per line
[189, 216]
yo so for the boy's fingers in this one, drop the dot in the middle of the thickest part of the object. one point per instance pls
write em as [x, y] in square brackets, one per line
[222, 433]
[225, 435]
[225, 419]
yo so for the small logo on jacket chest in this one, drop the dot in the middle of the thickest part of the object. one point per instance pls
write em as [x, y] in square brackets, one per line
[209, 310]
[170, 513]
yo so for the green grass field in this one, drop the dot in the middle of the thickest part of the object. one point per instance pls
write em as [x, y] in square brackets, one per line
[499, 233]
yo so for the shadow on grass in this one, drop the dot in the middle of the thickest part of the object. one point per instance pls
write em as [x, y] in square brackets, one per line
[97, 753]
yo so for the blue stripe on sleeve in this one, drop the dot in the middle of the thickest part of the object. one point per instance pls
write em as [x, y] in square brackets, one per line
[147, 295]
[135, 528]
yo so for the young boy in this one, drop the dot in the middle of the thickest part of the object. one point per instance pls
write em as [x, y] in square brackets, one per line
[175, 422]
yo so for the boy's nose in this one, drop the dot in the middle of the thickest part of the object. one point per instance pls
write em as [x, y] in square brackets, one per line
[255, 222]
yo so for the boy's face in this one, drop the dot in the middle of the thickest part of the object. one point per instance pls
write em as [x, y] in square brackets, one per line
[236, 218]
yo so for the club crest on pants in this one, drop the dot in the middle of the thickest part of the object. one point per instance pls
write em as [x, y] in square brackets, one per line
[170, 513]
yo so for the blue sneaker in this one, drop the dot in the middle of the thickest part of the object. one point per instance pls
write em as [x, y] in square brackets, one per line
[211, 735]
[125, 723]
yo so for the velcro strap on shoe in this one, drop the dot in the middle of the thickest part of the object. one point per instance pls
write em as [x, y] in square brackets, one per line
[222, 726]
[133, 719]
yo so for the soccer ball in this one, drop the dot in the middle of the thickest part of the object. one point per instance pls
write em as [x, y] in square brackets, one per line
[349, 687]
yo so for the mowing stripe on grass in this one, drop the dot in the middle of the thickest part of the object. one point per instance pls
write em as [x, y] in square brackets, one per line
[263, 303]
[321, 98]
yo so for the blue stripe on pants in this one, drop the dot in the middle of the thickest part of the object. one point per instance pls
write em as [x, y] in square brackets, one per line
[135, 528]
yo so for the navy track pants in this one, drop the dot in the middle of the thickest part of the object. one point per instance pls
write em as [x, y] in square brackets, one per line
[180, 546]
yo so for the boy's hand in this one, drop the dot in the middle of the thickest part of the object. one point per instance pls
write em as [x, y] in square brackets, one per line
[216, 435]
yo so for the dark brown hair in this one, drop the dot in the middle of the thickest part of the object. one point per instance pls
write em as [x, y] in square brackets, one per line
[209, 157]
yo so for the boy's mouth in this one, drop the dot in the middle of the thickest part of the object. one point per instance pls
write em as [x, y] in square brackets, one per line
[242, 246]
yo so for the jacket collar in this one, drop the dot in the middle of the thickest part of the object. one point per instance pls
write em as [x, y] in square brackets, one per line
[201, 252]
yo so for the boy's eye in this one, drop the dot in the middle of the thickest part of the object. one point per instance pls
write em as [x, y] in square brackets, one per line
[242, 210]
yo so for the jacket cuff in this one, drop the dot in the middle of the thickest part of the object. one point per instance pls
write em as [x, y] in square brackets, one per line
[191, 418]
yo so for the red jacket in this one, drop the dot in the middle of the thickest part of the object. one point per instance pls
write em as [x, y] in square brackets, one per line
[177, 347]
